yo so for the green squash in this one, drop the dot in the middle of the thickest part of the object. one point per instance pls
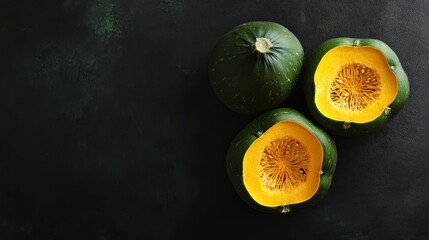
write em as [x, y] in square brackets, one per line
[255, 66]
[354, 86]
[281, 161]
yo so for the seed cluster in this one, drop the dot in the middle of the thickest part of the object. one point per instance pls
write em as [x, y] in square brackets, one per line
[284, 164]
[355, 87]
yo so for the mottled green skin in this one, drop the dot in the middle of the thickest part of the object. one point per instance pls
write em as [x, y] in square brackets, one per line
[247, 82]
[240, 144]
[337, 127]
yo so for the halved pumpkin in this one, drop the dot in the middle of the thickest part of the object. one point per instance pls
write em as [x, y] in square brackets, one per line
[281, 160]
[355, 86]
[283, 165]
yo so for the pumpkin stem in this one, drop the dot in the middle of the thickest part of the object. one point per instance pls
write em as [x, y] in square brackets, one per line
[262, 46]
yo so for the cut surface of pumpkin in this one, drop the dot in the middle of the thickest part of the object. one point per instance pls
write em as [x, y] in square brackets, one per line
[283, 165]
[354, 84]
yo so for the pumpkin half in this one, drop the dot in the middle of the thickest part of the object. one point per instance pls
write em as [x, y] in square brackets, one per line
[355, 86]
[281, 161]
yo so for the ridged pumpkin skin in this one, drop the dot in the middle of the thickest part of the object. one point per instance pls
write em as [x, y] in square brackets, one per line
[244, 139]
[248, 82]
[352, 129]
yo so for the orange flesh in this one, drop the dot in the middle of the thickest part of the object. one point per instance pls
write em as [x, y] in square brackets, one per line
[283, 165]
[354, 84]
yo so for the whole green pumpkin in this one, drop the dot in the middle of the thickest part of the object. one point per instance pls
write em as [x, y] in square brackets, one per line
[255, 66]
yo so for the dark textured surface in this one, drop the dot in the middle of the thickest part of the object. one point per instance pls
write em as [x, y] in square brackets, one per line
[109, 128]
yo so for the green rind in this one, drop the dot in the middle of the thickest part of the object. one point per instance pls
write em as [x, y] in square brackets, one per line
[240, 144]
[250, 83]
[337, 127]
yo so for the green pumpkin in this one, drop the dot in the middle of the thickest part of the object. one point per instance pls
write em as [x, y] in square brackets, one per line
[281, 161]
[354, 86]
[255, 66]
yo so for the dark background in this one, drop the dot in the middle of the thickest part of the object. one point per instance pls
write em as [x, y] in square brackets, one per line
[110, 130]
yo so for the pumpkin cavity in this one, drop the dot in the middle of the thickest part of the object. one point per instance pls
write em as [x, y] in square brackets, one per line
[355, 87]
[284, 164]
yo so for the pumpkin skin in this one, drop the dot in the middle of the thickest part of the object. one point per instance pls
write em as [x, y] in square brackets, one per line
[249, 81]
[343, 128]
[245, 138]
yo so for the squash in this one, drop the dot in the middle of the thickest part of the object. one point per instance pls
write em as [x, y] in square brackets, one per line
[354, 86]
[255, 66]
[281, 161]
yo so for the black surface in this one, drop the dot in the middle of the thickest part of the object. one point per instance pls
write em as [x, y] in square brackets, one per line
[110, 130]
